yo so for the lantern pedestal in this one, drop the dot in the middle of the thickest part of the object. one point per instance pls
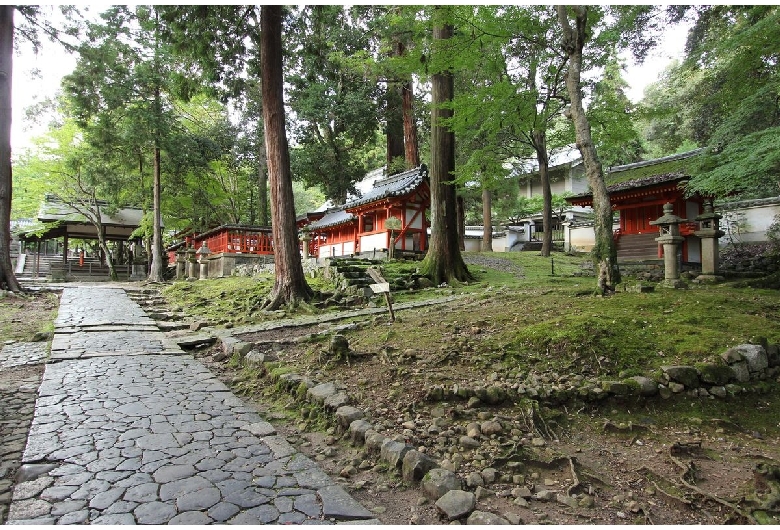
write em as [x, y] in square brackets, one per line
[709, 235]
[670, 239]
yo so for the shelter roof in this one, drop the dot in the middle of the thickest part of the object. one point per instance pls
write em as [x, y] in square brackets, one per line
[60, 219]
[53, 209]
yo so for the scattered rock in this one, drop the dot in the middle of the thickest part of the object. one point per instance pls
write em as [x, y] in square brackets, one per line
[439, 481]
[483, 518]
[456, 504]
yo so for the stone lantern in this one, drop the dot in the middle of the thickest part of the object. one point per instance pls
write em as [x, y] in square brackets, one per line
[192, 270]
[181, 264]
[709, 233]
[203, 256]
[305, 239]
[670, 238]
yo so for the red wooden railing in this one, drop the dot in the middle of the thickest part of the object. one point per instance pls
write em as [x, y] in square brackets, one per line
[239, 242]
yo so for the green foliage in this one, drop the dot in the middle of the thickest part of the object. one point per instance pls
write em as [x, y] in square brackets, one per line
[725, 97]
[336, 107]
[611, 118]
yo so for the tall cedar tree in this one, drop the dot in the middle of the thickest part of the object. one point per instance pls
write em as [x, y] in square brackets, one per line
[8, 280]
[444, 262]
[290, 287]
[604, 252]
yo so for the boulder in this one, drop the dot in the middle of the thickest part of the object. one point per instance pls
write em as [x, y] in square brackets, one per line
[358, 430]
[755, 356]
[319, 393]
[336, 401]
[741, 372]
[491, 427]
[393, 452]
[438, 481]
[715, 374]
[456, 504]
[231, 345]
[415, 465]
[482, 518]
[647, 387]
[346, 415]
[685, 375]
[374, 441]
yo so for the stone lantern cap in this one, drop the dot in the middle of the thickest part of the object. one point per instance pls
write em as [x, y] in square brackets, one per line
[668, 218]
[203, 251]
[708, 214]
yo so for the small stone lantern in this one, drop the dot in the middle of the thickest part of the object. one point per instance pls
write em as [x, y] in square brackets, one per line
[670, 238]
[203, 256]
[305, 239]
[181, 264]
[192, 270]
[709, 233]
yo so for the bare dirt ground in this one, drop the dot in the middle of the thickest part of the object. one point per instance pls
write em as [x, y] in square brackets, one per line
[648, 462]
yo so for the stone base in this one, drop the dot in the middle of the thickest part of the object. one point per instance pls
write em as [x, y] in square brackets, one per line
[673, 284]
[708, 278]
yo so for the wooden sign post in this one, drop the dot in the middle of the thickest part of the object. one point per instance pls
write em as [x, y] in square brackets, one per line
[381, 286]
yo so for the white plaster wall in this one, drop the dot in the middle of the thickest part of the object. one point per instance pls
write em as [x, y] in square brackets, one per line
[694, 249]
[751, 223]
[373, 242]
[473, 245]
[417, 223]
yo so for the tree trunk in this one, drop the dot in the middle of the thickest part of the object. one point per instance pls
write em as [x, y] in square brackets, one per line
[157, 266]
[262, 187]
[487, 221]
[8, 279]
[444, 262]
[411, 147]
[539, 138]
[290, 287]
[101, 236]
[156, 270]
[604, 252]
[461, 222]
[395, 127]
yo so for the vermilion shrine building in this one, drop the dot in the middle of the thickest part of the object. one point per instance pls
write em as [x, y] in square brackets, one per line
[391, 214]
[638, 192]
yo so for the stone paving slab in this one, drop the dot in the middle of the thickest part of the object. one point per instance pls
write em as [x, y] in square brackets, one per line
[160, 440]
[98, 306]
[106, 343]
[23, 353]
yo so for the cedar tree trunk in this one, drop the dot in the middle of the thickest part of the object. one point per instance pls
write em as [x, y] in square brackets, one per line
[290, 287]
[604, 252]
[444, 262]
[8, 279]
[539, 138]
[156, 270]
[487, 221]
[262, 187]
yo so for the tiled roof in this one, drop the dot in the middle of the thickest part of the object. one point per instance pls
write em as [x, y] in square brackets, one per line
[333, 217]
[646, 181]
[393, 186]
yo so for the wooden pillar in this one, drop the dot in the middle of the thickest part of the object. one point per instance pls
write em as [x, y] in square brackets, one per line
[65, 249]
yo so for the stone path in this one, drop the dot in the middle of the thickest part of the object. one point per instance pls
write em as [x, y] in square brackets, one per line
[126, 432]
